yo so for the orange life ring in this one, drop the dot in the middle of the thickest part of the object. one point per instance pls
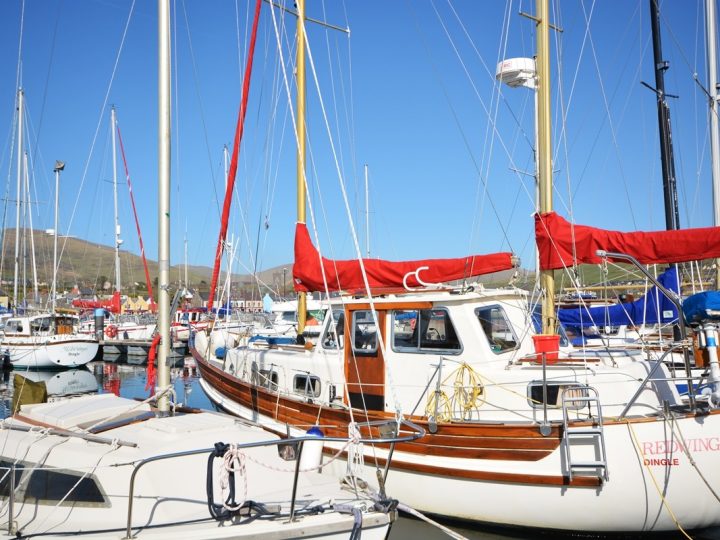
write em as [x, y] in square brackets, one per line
[111, 331]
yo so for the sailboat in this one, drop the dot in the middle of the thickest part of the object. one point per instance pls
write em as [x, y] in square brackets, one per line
[43, 340]
[119, 326]
[519, 433]
[106, 466]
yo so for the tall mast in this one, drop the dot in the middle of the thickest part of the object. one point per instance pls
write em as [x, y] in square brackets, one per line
[300, 105]
[59, 166]
[18, 197]
[672, 216]
[713, 113]
[118, 241]
[544, 157]
[36, 293]
[164, 126]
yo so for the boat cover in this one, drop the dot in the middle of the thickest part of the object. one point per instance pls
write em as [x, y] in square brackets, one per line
[347, 275]
[697, 306]
[562, 244]
[653, 308]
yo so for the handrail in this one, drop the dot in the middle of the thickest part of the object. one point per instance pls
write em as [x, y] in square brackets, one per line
[417, 432]
[670, 295]
[658, 363]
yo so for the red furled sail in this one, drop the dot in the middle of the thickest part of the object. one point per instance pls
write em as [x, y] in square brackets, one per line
[112, 305]
[229, 189]
[347, 275]
[562, 244]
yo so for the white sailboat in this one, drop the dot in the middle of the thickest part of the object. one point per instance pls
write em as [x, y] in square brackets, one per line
[520, 433]
[105, 466]
[45, 340]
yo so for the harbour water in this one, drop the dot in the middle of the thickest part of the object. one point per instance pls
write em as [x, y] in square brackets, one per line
[129, 380]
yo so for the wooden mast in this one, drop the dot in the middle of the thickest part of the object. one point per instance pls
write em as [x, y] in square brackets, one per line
[301, 136]
[545, 181]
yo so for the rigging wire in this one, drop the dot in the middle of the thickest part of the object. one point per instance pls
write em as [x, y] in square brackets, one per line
[97, 128]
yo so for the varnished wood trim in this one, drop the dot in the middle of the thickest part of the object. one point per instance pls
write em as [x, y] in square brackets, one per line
[386, 306]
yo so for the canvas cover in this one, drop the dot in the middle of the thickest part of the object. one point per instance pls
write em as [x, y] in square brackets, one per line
[346, 275]
[653, 308]
[562, 244]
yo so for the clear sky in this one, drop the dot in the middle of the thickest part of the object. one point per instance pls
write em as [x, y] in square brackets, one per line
[410, 92]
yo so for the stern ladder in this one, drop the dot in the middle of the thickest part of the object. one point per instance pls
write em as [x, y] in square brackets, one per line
[574, 398]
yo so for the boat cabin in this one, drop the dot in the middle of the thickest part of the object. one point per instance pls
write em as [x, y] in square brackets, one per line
[42, 325]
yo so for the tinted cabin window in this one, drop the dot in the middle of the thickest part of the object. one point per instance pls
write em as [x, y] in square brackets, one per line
[5, 467]
[497, 329]
[53, 486]
[554, 394]
[424, 330]
[307, 385]
[364, 332]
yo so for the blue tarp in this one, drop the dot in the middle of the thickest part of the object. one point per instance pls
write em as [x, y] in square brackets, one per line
[642, 311]
[695, 307]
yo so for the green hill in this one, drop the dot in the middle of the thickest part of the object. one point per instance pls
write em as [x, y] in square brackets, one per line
[92, 265]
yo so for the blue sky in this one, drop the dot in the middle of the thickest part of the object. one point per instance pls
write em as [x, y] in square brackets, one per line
[410, 92]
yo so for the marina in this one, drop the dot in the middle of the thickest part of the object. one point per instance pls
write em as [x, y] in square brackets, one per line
[391, 290]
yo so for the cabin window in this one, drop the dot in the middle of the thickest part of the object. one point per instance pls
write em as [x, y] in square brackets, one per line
[424, 330]
[266, 378]
[52, 486]
[555, 391]
[306, 385]
[364, 333]
[334, 336]
[497, 328]
[14, 325]
[5, 467]
[41, 324]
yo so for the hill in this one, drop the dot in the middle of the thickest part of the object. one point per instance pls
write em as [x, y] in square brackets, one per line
[92, 265]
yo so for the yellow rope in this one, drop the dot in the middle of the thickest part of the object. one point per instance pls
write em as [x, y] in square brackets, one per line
[655, 483]
[468, 392]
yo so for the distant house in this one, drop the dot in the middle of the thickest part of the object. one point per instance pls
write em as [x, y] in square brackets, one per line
[4, 299]
[135, 305]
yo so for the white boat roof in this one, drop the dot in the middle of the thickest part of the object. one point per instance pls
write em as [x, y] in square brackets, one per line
[476, 292]
[82, 411]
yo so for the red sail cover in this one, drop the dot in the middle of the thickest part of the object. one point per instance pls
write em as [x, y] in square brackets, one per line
[561, 244]
[347, 275]
[112, 305]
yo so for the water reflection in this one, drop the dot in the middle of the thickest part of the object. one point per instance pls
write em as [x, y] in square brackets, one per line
[25, 386]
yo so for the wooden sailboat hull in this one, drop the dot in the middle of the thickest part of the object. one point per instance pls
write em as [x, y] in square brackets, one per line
[483, 472]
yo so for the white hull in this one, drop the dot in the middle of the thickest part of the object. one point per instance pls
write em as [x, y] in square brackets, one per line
[43, 352]
[170, 498]
[628, 501]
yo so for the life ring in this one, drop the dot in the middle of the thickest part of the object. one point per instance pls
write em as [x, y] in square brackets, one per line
[111, 331]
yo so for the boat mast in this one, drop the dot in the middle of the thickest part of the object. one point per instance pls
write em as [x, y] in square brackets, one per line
[118, 241]
[300, 105]
[164, 126]
[28, 204]
[544, 157]
[672, 216]
[59, 166]
[17, 202]
[712, 90]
